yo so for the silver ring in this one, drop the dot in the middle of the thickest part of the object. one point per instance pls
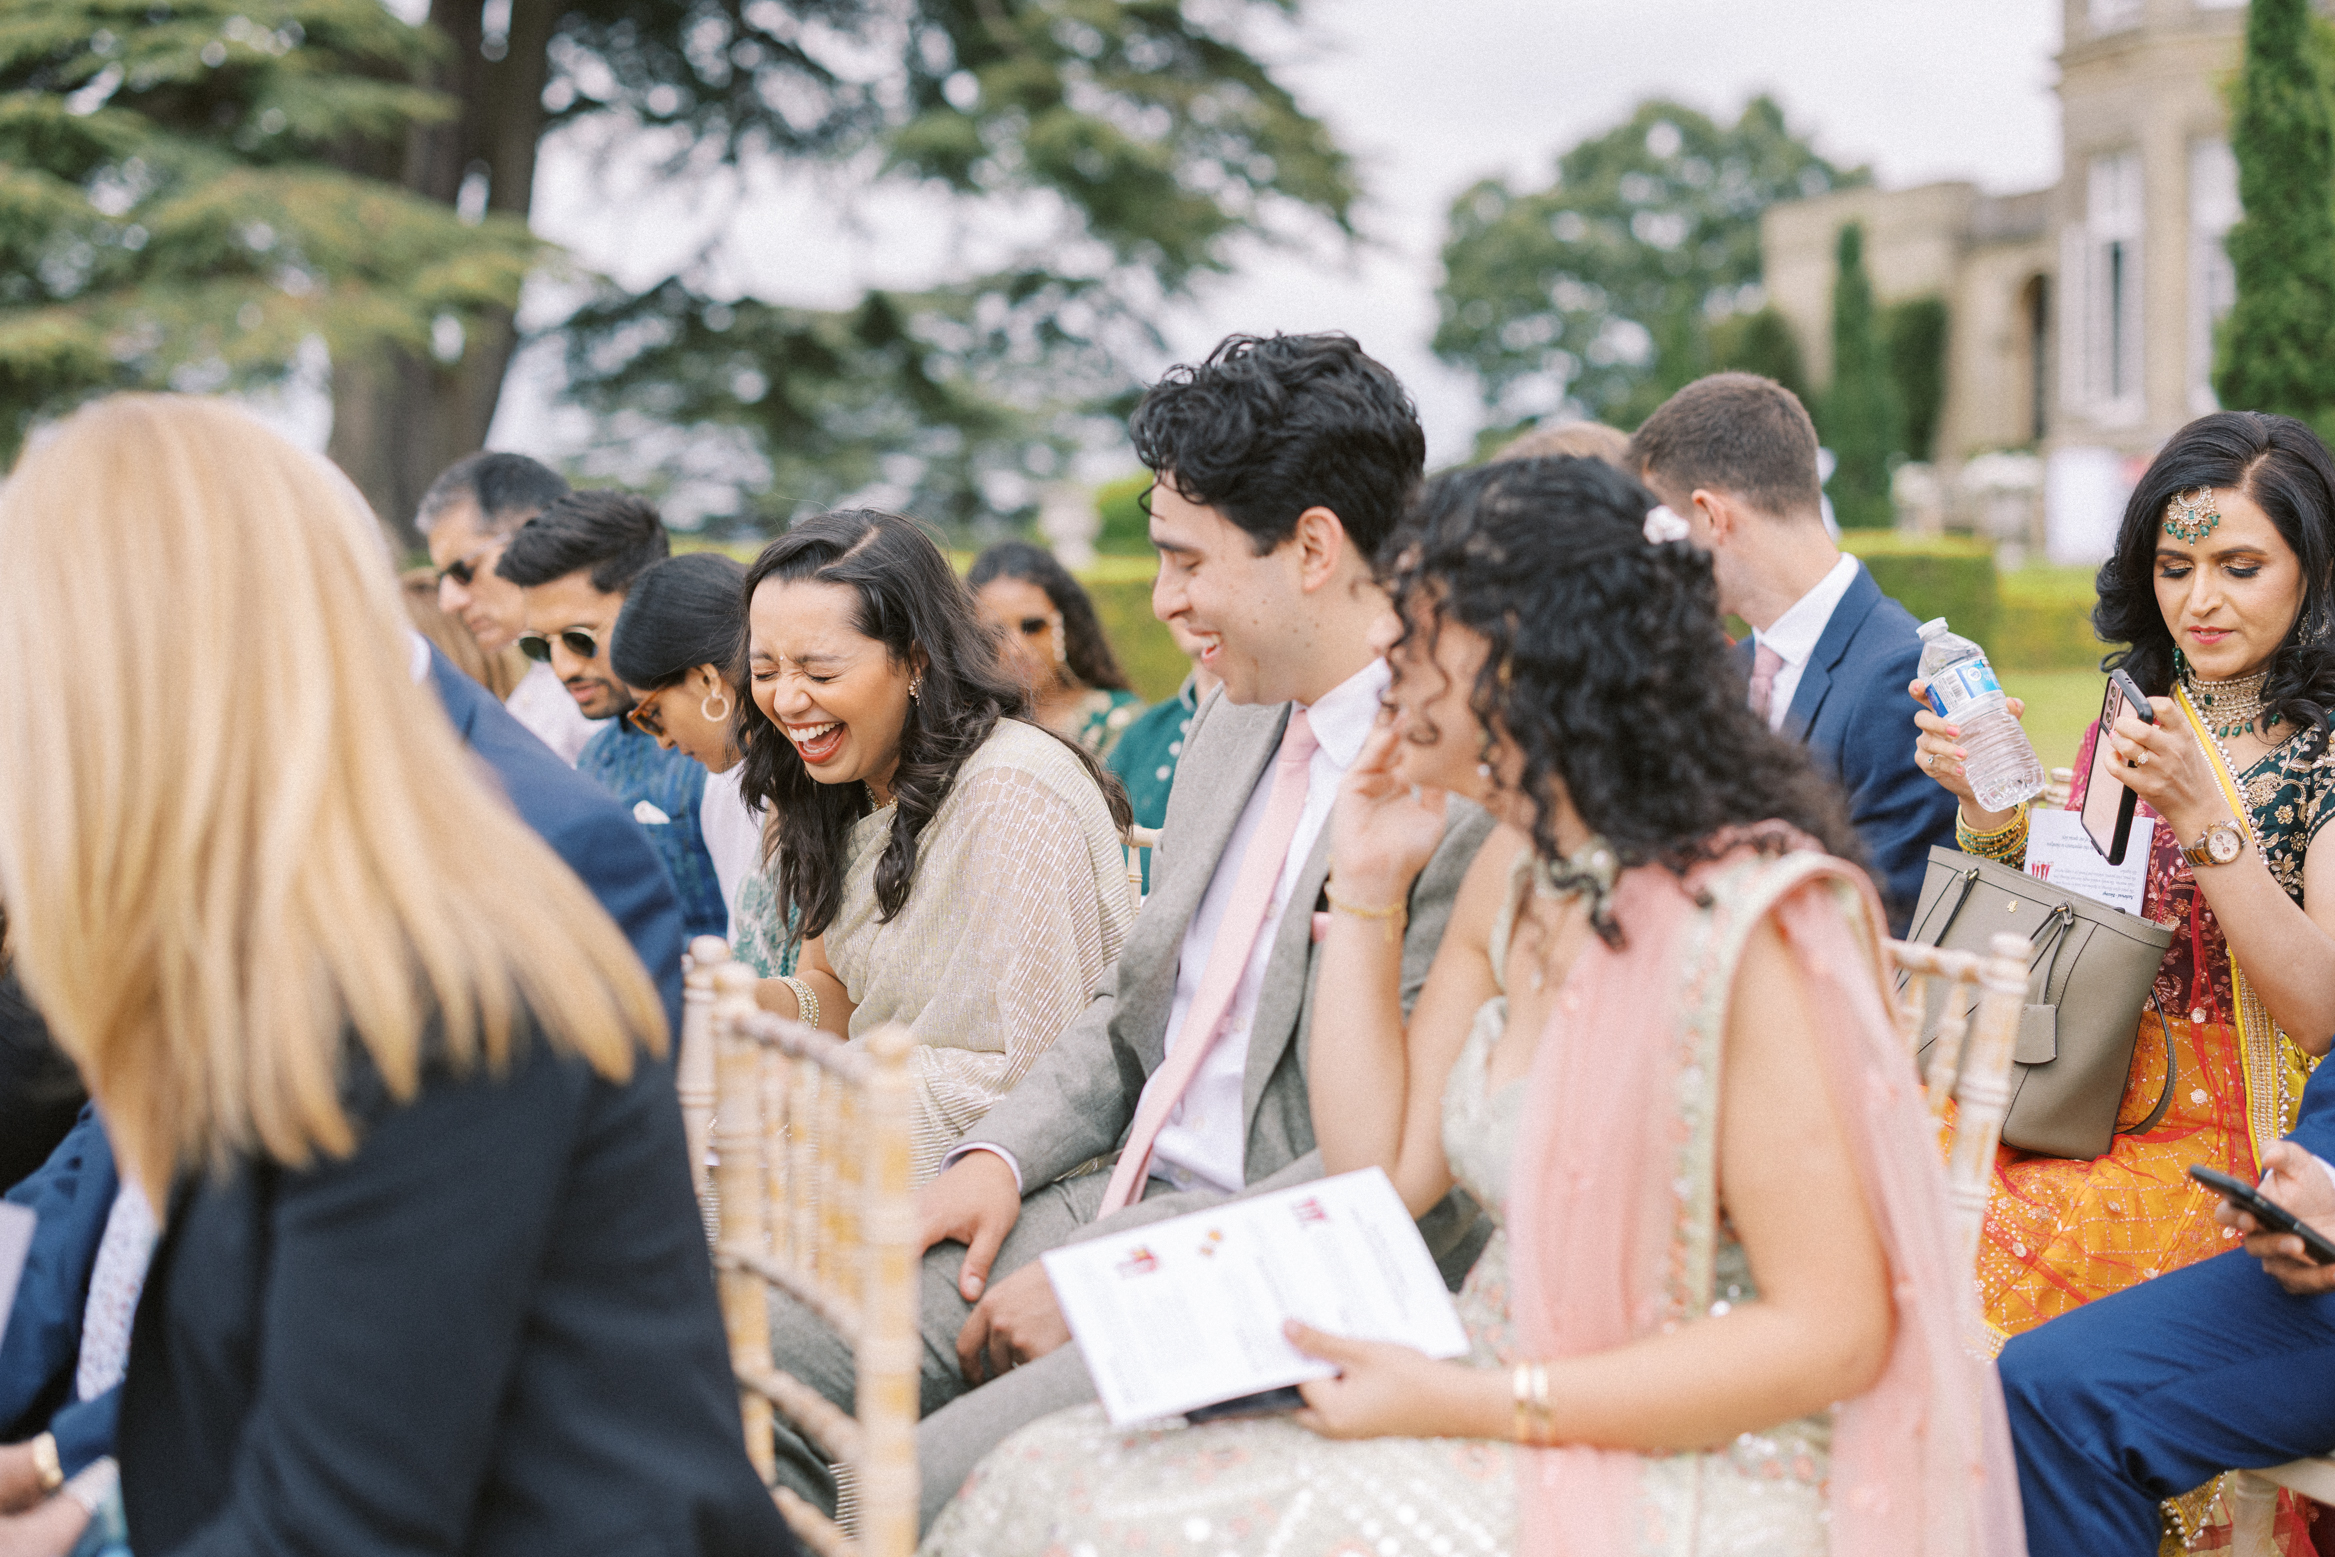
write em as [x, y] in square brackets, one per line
[1929, 759]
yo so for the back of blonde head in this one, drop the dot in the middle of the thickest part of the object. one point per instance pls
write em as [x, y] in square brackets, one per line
[233, 830]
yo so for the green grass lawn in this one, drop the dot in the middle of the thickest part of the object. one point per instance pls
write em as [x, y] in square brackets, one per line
[2060, 704]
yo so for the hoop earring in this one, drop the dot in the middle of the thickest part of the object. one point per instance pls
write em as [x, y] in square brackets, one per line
[705, 709]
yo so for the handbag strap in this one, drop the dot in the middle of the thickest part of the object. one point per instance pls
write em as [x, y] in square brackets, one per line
[1969, 880]
[2165, 1097]
[2056, 924]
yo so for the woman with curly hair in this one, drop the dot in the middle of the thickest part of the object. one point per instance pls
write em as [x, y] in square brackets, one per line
[950, 864]
[1648, 966]
[2221, 585]
[1051, 638]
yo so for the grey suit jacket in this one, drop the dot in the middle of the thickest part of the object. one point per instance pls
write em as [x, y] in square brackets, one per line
[1077, 1104]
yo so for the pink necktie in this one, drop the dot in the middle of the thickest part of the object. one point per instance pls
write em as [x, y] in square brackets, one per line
[1765, 662]
[1228, 959]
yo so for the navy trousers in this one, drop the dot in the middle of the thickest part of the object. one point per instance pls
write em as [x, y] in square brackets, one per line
[2148, 1394]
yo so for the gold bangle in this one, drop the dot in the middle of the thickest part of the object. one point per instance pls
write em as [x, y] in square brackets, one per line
[1394, 916]
[806, 1000]
[45, 1466]
[2006, 842]
[1535, 1425]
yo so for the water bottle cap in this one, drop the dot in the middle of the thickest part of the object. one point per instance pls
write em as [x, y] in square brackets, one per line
[1935, 627]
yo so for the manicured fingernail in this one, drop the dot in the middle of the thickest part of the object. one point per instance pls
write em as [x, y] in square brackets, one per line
[972, 1286]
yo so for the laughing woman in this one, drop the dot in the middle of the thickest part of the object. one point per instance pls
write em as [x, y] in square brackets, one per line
[954, 866]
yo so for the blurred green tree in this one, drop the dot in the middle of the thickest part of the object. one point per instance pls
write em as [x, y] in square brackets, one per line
[189, 193]
[2277, 347]
[1859, 419]
[1597, 295]
[1761, 343]
[1913, 339]
[1137, 140]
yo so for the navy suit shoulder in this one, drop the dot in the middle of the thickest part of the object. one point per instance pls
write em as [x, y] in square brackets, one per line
[71, 1194]
[585, 826]
[1860, 732]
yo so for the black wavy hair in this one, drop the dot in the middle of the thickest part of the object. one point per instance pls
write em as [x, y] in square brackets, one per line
[1083, 644]
[1270, 426]
[1606, 664]
[914, 604]
[614, 534]
[2279, 463]
[681, 613]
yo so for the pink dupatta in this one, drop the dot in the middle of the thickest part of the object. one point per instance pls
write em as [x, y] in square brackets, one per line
[1921, 1463]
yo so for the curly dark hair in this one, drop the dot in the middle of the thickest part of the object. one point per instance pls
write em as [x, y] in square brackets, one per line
[1606, 664]
[1085, 648]
[912, 603]
[1270, 426]
[2279, 463]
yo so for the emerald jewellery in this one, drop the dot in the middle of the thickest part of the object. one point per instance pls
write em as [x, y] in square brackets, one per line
[2229, 708]
[2197, 520]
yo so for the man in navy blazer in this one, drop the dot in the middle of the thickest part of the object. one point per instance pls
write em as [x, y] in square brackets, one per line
[2228, 1364]
[73, 1192]
[1734, 455]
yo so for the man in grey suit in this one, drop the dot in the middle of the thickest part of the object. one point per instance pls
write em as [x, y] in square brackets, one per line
[1282, 465]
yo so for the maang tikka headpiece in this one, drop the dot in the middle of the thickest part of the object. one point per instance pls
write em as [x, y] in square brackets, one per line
[2187, 518]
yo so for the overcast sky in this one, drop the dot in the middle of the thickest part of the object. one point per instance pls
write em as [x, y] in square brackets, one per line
[1429, 95]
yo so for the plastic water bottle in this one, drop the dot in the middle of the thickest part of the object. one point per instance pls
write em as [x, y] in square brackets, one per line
[2002, 766]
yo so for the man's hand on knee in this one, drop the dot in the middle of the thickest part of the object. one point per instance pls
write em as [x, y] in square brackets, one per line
[975, 1202]
[2294, 1179]
[1018, 1322]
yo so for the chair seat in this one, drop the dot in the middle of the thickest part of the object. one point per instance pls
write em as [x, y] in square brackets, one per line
[2313, 1478]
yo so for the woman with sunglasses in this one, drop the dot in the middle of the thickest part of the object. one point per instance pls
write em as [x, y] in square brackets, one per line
[678, 646]
[954, 867]
[1054, 642]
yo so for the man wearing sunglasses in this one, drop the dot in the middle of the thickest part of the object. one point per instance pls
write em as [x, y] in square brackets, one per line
[468, 516]
[574, 564]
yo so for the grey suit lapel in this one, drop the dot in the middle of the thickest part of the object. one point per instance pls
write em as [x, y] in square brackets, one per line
[1282, 998]
[1202, 812]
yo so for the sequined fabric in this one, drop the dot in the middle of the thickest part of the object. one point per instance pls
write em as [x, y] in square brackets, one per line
[1073, 1485]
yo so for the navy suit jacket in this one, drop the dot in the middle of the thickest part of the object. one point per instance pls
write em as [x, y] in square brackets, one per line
[1852, 711]
[2314, 1126]
[73, 1191]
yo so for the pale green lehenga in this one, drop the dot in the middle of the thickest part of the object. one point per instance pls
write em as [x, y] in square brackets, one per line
[1071, 1485]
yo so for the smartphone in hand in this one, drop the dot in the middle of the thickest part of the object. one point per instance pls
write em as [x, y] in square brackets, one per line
[2108, 805]
[2266, 1212]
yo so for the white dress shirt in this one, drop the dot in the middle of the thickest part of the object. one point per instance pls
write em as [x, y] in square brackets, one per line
[546, 707]
[1202, 1141]
[732, 834]
[1794, 635]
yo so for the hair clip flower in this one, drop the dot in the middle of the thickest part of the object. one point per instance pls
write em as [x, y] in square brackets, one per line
[1663, 525]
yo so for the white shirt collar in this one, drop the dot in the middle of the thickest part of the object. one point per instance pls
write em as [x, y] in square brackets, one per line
[417, 656]
[1793, 635]
[1342, 717]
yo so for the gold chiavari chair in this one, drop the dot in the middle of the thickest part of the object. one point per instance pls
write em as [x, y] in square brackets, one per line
[810, 1138]
[1138, 840]
[1977, 1000]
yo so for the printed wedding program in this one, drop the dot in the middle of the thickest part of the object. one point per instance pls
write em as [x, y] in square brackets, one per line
[1188, 1312]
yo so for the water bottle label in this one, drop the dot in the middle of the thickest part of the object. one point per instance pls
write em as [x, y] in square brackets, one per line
[1958, 686]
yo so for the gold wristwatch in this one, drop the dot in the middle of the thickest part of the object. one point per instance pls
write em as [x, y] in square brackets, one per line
[2217, 845]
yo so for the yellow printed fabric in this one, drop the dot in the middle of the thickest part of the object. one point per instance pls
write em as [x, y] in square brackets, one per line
[2060, 1233]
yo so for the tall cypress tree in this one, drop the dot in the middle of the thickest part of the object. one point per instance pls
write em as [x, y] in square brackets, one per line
[2277, 348]
[1860, 411]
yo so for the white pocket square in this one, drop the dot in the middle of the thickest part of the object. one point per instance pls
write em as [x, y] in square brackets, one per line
[648, 815]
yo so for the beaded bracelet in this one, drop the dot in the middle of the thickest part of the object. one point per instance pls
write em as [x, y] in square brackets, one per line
[2007, 843]
[806, 1000]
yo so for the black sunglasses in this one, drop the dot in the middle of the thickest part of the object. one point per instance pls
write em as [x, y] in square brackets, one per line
[462, 570]
[537, 646]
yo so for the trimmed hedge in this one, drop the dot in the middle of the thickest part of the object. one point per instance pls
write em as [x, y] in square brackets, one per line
[1943, 575]
[2047, 620]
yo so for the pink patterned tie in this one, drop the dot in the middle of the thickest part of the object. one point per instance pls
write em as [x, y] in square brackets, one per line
[1765, 662]
[1228, 959]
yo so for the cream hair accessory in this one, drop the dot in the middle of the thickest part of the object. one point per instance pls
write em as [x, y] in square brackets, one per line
[1663, 525]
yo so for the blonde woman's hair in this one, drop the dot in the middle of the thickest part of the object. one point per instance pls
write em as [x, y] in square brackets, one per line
[233, 829]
